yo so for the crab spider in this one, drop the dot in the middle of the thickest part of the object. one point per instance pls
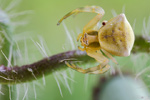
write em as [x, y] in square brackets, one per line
[115, 37]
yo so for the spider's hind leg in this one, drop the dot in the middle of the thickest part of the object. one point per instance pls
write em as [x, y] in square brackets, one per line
[110, 56]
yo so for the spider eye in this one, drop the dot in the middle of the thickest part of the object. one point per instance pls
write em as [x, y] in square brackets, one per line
[103, 23]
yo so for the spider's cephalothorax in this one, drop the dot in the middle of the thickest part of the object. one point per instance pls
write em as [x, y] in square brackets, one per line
[115, 37]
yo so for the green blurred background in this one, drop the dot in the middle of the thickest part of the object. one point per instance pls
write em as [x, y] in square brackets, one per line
[43, 22]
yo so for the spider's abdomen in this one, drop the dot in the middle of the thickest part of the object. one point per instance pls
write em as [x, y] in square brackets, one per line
[117, 36]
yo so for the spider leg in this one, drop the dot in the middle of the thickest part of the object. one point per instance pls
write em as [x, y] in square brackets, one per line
[101, 71]
[101, 68]
[93, 9]
[76, 67]
[92, 23]
[110, 56]
[94, 70]
[97, 55]
[79, 36]
[82, 49]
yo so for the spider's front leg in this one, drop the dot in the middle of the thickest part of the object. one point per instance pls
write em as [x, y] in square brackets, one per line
[101, 71]
[101, 68]
[94, 70]
[93, 9]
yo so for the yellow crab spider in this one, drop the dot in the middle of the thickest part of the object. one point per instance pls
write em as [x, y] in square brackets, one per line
[115, 37]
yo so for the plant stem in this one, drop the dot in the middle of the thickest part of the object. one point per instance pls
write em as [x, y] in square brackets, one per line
[5, 43]
[141, 44]
[14, 75]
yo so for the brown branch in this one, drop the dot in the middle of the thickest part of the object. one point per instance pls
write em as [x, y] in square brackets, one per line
[16, 74]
